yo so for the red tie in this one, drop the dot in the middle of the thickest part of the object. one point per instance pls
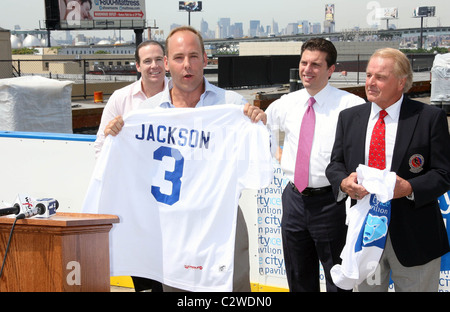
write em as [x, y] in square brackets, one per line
[301, 174]
[377, 151]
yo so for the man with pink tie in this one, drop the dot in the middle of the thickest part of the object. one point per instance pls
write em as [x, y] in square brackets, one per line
[313, 224]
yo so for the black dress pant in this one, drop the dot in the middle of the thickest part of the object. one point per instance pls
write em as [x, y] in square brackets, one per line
[142, 284]
[313, 230]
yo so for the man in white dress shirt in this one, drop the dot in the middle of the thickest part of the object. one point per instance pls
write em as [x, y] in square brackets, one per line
[149, 58]
[313, 224]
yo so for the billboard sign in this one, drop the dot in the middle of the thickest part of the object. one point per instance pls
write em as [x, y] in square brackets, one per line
[329, 12]
[424, 11]
[101, 14]
[386, 13]
[190, 6]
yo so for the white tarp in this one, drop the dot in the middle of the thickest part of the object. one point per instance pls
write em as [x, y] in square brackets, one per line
[440, 78]
[35, 104]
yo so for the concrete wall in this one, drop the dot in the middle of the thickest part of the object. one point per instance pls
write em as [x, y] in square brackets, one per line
[5, 53]
[345, 49]
[269, 48]
[63, 64]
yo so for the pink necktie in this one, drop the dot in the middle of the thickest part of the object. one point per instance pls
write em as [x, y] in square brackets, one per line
[377, 152]
[301, 175]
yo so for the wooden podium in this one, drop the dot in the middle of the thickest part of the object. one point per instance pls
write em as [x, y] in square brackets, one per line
[68, 252]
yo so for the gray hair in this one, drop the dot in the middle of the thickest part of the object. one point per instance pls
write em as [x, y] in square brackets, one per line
[402, 65]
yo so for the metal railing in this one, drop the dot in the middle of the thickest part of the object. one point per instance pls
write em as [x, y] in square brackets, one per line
[80, 71]
[349, 67]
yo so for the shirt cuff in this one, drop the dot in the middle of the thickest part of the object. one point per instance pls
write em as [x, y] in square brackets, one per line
[410, 196]
[341, 195]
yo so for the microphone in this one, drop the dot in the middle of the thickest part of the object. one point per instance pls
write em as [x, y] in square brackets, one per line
[10, 210]
[39, 209]
[50, 205]
[30, 207]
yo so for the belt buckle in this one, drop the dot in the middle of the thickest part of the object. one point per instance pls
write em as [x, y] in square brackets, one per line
[315, 191]
[307, 192]
[295, 188]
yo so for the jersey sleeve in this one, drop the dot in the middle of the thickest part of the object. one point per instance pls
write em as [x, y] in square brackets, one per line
[255, 164]
[92, 198]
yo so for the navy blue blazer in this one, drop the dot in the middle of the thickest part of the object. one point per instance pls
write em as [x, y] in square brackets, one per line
[421, 156]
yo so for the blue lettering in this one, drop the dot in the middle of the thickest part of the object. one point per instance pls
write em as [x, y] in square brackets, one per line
[170, 138]
[171, 176]
[193, 141]
[159, 134]
[174, 136]
[150, 134]
[142, 136]
[183, 138]
[205, 140]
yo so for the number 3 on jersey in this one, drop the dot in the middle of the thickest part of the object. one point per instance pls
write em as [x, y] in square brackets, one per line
[172, 176]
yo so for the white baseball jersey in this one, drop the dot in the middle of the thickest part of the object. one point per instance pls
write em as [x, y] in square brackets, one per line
[174, 178]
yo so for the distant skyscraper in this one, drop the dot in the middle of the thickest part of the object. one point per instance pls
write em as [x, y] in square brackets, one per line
[275, 29]
[303, 27]
[254, 28]
[173, 26]
[204, 28]
[68, 36]
[224, 27]
[292, 29]
[329, 27]
[237, 30]
[316, 28]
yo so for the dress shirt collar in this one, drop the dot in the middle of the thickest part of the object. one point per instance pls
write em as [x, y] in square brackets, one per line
[166, 99]
[320, 97]
[137, 87]
[208, 88]
[393, 110]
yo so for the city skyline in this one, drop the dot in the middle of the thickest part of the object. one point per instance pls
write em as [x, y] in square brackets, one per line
[31, 14]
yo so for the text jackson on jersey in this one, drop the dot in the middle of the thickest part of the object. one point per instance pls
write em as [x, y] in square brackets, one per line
[175, 136]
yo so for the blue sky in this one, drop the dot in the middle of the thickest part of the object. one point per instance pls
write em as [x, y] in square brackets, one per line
[349, 13]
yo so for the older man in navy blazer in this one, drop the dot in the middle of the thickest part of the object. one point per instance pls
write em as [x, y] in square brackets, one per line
[418, 150]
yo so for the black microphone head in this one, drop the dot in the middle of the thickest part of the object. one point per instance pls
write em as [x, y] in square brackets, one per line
[41, 208]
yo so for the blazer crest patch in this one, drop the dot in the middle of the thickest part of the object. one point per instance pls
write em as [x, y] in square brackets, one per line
[416, 163]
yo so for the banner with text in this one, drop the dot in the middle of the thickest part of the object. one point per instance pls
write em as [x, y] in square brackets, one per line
[101, 14]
